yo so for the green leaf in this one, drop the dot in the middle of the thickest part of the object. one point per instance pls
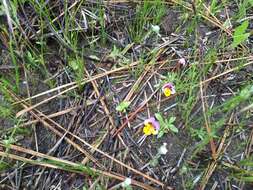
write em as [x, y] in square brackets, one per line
[4, 166]
[165, 125]
[2, 12]
[172, 119]
[74, 65]
[239, 39]
[250, 2]
[9, 141]
[154, 162]
[246, 162]
[160, 134]
[246, 178]
[239, 35]
[213, 6]
[115, 52]
[159, 117]
[242, 28]
[173, 128]
[123, 106]
[5, 110]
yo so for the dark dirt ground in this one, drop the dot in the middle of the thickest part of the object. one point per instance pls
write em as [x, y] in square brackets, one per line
[186, 162]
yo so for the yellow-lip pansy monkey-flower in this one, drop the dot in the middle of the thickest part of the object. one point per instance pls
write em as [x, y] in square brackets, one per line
[168, 89]
[151, 126]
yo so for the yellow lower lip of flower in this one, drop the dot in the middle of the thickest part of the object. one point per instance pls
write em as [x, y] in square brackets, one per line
[167, 92]
[149, 129]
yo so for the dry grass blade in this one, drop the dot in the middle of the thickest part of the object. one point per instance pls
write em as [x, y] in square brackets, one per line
[73, 85]
[59, 16]
[139, 80]
[85, 143]
[58, 133]
[58, 160]
[50, 116]
[100, 94]
[85, 80]
[214, 21]
[141, 107]
[212, 166]
[226, 72]
[95, 86]
[213, 147]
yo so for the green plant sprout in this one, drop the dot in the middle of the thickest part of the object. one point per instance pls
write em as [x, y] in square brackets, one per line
[240, 34]
[123, 106]
[166, 125]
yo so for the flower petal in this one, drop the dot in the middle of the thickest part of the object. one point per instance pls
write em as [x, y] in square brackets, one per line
[167, 92]
[147, 129]
[156, 125]
[173, 90]
[151, 122]
[163, 149]
[170, 86]
[182, 61]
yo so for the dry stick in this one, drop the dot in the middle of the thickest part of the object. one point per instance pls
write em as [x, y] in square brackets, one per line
[137, 83]
[249, 145]
[226, 72]
[75, 85]
[213, 147]
[96, 145]
[205, 17]
[87, 144]
[88, 156]
[56, 131]
[94, 78]
[221, 25]
[117, 70]
[140, 108]
[85, 80]
[95, 86]
[50, 116]
[115, 160]
[213, 74]
[128, 97]
[26, 160]
[213, 165]
[110, 157]
[59, 16]
[147, 68]
[134, 87]
[134, 114]
[67, 139]
[202, 82]
[235, 59]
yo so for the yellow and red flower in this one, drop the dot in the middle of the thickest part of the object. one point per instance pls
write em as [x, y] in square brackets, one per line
[168, 89]
[151, 126]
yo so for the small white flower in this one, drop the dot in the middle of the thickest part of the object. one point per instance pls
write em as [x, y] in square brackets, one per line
[155, 28]
[163, 149]
[127, 182]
